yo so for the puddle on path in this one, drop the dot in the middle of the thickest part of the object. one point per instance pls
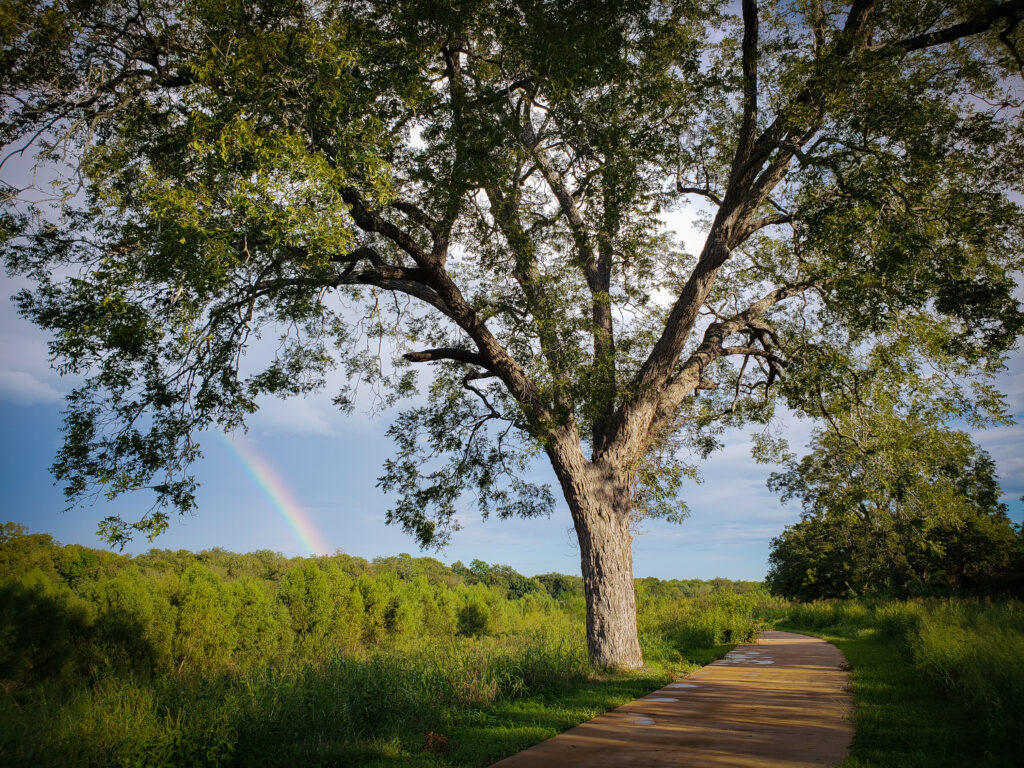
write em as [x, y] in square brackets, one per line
[660, 698]
[640, 720]
[733, 658]
[680, 685]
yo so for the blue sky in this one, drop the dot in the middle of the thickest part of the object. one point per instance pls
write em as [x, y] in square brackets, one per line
[329, 463]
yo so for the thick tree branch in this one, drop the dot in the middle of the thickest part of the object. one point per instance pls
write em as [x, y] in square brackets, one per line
[762, 186]
[1012, 10]
[755, 352]
[457, 354]
[703, 192]
[742, 233]
[387, 278]
[556, 183]
[367, 252]
[748, 126]
[371, 222]
[415, 289]
[527, 274]
[854, 33]
[857, 21]
[438, 289]
[748, 189]
[660, 406]
[596, 268]
[421, 217]
[818, 22]
[606, 378]
[789, 138]
[656, 370]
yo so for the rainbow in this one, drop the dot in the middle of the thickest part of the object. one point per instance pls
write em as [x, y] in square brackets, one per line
[274, 488]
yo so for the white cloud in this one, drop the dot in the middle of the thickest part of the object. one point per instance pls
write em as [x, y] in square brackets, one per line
[313, 415]
[24, 388]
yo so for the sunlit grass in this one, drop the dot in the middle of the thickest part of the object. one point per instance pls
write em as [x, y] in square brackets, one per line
[177, 659]
[219, 659]
[463, 703]
[937, 683]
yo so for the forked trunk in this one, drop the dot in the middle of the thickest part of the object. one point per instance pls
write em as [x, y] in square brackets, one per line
[600, 503]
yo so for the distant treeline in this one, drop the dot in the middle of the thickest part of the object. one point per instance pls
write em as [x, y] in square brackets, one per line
[69, 612]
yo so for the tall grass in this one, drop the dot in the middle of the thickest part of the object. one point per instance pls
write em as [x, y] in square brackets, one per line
[977, 652]
[696, 628]
[220, 659]
[959, 661]
[309, 714]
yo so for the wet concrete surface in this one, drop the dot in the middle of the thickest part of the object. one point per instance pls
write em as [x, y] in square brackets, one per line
[780, 702]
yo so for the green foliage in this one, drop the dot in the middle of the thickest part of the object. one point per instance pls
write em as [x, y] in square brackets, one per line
[474, 619]
[204, 638]
[258, 624]
[516, 585]
[675, 627]
[136, 628]
[894, 503]
[938, 682]
[217, 658]
[305, 592]
[41, 632]
[489, 180]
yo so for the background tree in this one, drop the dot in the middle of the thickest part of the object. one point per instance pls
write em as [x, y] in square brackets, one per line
[894, 503]
[484, 183]
[204, 639]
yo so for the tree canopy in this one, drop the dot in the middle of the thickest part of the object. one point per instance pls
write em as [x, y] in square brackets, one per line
[484, 185]
[894, 503]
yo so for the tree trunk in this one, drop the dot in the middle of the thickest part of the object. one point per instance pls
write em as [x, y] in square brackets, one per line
[599, 500]
[606, 557]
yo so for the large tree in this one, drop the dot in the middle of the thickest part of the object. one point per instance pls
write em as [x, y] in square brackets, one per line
[485, 184]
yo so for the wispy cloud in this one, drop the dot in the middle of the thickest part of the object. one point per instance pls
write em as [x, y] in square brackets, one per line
[298, 415]
[25, 389]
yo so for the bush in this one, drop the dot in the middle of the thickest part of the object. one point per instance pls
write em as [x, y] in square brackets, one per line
[474, 620]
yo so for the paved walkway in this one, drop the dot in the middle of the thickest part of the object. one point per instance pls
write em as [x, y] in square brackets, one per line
[779, 702]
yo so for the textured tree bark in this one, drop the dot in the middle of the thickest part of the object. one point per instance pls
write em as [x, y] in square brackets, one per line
[606, 558]
[599, 499]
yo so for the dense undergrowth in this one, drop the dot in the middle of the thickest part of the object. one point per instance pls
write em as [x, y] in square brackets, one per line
[220, 659]
[181, 659]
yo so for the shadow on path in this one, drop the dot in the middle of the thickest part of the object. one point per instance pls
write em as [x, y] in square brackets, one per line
[780, 702]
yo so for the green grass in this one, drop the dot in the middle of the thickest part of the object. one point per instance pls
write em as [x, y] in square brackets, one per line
[483, 737]
[937, 683]
[467, 703]
[258, 661]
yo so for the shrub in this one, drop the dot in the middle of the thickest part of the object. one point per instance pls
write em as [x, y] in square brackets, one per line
[474, 619]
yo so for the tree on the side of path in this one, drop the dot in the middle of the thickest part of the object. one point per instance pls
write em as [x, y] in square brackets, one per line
[894, 502]
[482, 184]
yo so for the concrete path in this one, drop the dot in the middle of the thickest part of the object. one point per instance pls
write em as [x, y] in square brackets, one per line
[780, 702]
